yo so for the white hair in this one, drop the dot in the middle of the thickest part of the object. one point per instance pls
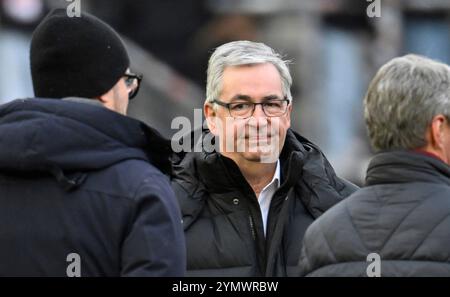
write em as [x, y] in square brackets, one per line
[244, 52]
[402, 99]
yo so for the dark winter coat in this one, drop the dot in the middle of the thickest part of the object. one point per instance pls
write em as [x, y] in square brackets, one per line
[81, 179]
[403, 215]
[222, 217]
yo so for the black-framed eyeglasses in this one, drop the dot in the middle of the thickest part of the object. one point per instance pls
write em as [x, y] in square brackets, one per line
[133, 82]
[244, 110]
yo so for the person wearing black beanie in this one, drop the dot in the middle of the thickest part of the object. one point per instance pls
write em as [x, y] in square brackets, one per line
[84, 189]
[81, 57]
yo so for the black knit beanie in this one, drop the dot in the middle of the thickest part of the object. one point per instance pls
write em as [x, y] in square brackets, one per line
[75, 56]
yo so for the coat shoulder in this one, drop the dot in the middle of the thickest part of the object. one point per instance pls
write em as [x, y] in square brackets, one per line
[125, 179]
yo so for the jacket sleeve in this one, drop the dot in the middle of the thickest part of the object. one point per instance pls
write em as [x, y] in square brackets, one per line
[348, 187]
[154, 244]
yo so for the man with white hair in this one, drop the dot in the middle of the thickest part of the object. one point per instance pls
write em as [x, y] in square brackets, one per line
[247, 205]
[400, 222]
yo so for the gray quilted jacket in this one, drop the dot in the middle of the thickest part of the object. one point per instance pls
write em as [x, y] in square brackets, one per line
[403, 215]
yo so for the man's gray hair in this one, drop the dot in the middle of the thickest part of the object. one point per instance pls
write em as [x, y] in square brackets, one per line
[243, 52]
[402, 99]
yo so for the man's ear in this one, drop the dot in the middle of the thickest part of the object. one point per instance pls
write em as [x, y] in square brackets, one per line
[436, 133]
[210, 115]
[288, 115]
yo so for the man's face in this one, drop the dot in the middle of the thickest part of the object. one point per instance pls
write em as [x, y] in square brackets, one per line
[258, 138]
[116, 98]
[121, 100]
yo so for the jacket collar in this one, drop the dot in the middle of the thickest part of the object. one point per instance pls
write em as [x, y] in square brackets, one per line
[219, 174]
[93, 102]
[303, 168]
[406, 166]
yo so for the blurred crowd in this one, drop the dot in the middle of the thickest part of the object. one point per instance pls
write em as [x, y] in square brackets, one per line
[335, 48]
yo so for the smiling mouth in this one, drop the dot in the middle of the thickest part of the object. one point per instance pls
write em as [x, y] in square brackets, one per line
[258, 137]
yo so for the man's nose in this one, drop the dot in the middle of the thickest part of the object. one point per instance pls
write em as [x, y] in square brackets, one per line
[259, 118]
[259, 112]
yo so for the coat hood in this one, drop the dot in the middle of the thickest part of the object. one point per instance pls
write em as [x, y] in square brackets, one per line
[55, 136]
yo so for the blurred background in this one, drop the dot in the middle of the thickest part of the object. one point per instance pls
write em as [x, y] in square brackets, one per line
[335, 47]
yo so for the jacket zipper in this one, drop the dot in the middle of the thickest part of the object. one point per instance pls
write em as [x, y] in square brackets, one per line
[252, 226]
